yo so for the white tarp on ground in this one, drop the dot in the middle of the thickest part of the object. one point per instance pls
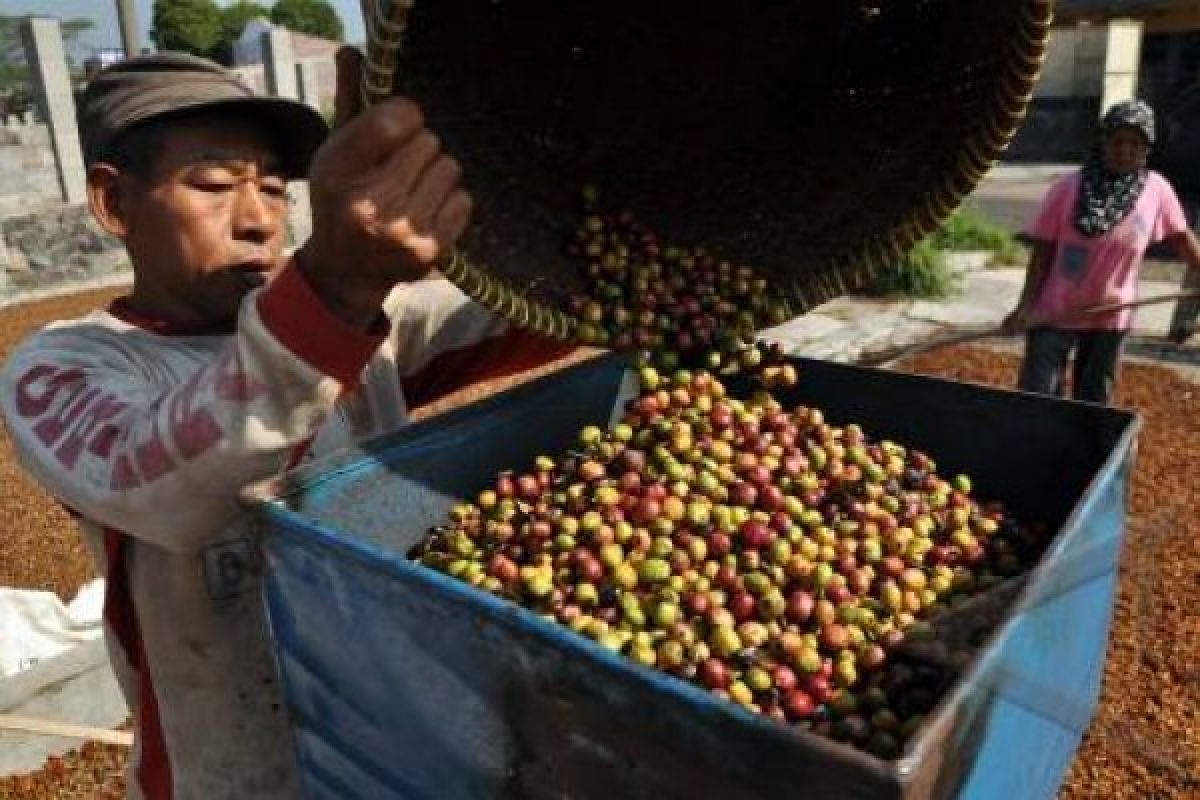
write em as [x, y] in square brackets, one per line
[37, 625]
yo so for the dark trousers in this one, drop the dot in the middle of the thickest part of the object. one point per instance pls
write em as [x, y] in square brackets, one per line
[1094, 373]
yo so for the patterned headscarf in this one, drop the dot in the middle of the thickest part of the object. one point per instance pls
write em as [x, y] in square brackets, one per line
[1106, 198]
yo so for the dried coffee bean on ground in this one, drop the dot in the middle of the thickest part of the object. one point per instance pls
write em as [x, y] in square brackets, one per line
[42, 549]
[94, 771]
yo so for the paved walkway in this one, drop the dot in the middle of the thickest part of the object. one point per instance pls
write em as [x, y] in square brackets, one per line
[1012, 193]
[849, 327]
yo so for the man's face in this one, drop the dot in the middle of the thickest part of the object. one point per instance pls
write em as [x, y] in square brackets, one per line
[207, 224]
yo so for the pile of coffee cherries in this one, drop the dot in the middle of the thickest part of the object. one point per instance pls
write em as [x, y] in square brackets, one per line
[759, 551]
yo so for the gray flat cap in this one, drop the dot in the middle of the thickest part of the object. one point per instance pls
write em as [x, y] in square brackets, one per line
[153, 86]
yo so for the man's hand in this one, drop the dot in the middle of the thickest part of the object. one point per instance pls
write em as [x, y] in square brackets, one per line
[386, 205]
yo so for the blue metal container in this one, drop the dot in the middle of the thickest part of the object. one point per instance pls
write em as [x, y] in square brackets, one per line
[402, 682]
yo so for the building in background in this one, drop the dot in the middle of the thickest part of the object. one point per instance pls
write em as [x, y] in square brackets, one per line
[1103, 51]
[248, 58]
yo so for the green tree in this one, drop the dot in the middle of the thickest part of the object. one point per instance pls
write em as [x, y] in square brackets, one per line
[233, 20]
[14, 73]
[314, 17]
[193, 26]
[12, 56]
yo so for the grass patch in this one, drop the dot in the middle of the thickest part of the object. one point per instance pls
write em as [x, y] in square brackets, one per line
[922, 273]
[967, 229]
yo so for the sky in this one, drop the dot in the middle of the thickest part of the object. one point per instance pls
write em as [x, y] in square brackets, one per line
[104, 12]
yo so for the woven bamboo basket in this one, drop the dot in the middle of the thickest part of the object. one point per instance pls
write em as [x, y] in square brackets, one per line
[813, 140]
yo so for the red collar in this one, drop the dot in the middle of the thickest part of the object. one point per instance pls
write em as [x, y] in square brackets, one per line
[120, 309]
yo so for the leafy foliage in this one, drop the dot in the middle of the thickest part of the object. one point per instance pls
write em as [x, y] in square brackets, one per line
[192, 26]
[968, 229]
[922, 273]
[314, 17]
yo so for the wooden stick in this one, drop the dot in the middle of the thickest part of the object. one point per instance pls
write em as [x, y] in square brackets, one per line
[46, 727]
[963, 336]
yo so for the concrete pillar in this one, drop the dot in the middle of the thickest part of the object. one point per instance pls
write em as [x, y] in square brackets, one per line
[308, 83]
[1122, 59]
[299, 213]
[43, 43]
[305, 89]
[127, 17]
[279, 62]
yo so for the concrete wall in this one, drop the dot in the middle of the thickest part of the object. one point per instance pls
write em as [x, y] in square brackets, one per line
[254, 76]
[250, 56]
[53, 248]
[28, 180]
[44, 242]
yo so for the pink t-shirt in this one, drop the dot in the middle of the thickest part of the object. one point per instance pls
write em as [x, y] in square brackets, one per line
[1091, 271]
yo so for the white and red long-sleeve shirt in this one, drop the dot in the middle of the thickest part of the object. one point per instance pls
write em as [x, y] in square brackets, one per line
[147, 434]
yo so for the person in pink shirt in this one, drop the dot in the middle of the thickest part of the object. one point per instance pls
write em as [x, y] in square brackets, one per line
[1089, 238]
